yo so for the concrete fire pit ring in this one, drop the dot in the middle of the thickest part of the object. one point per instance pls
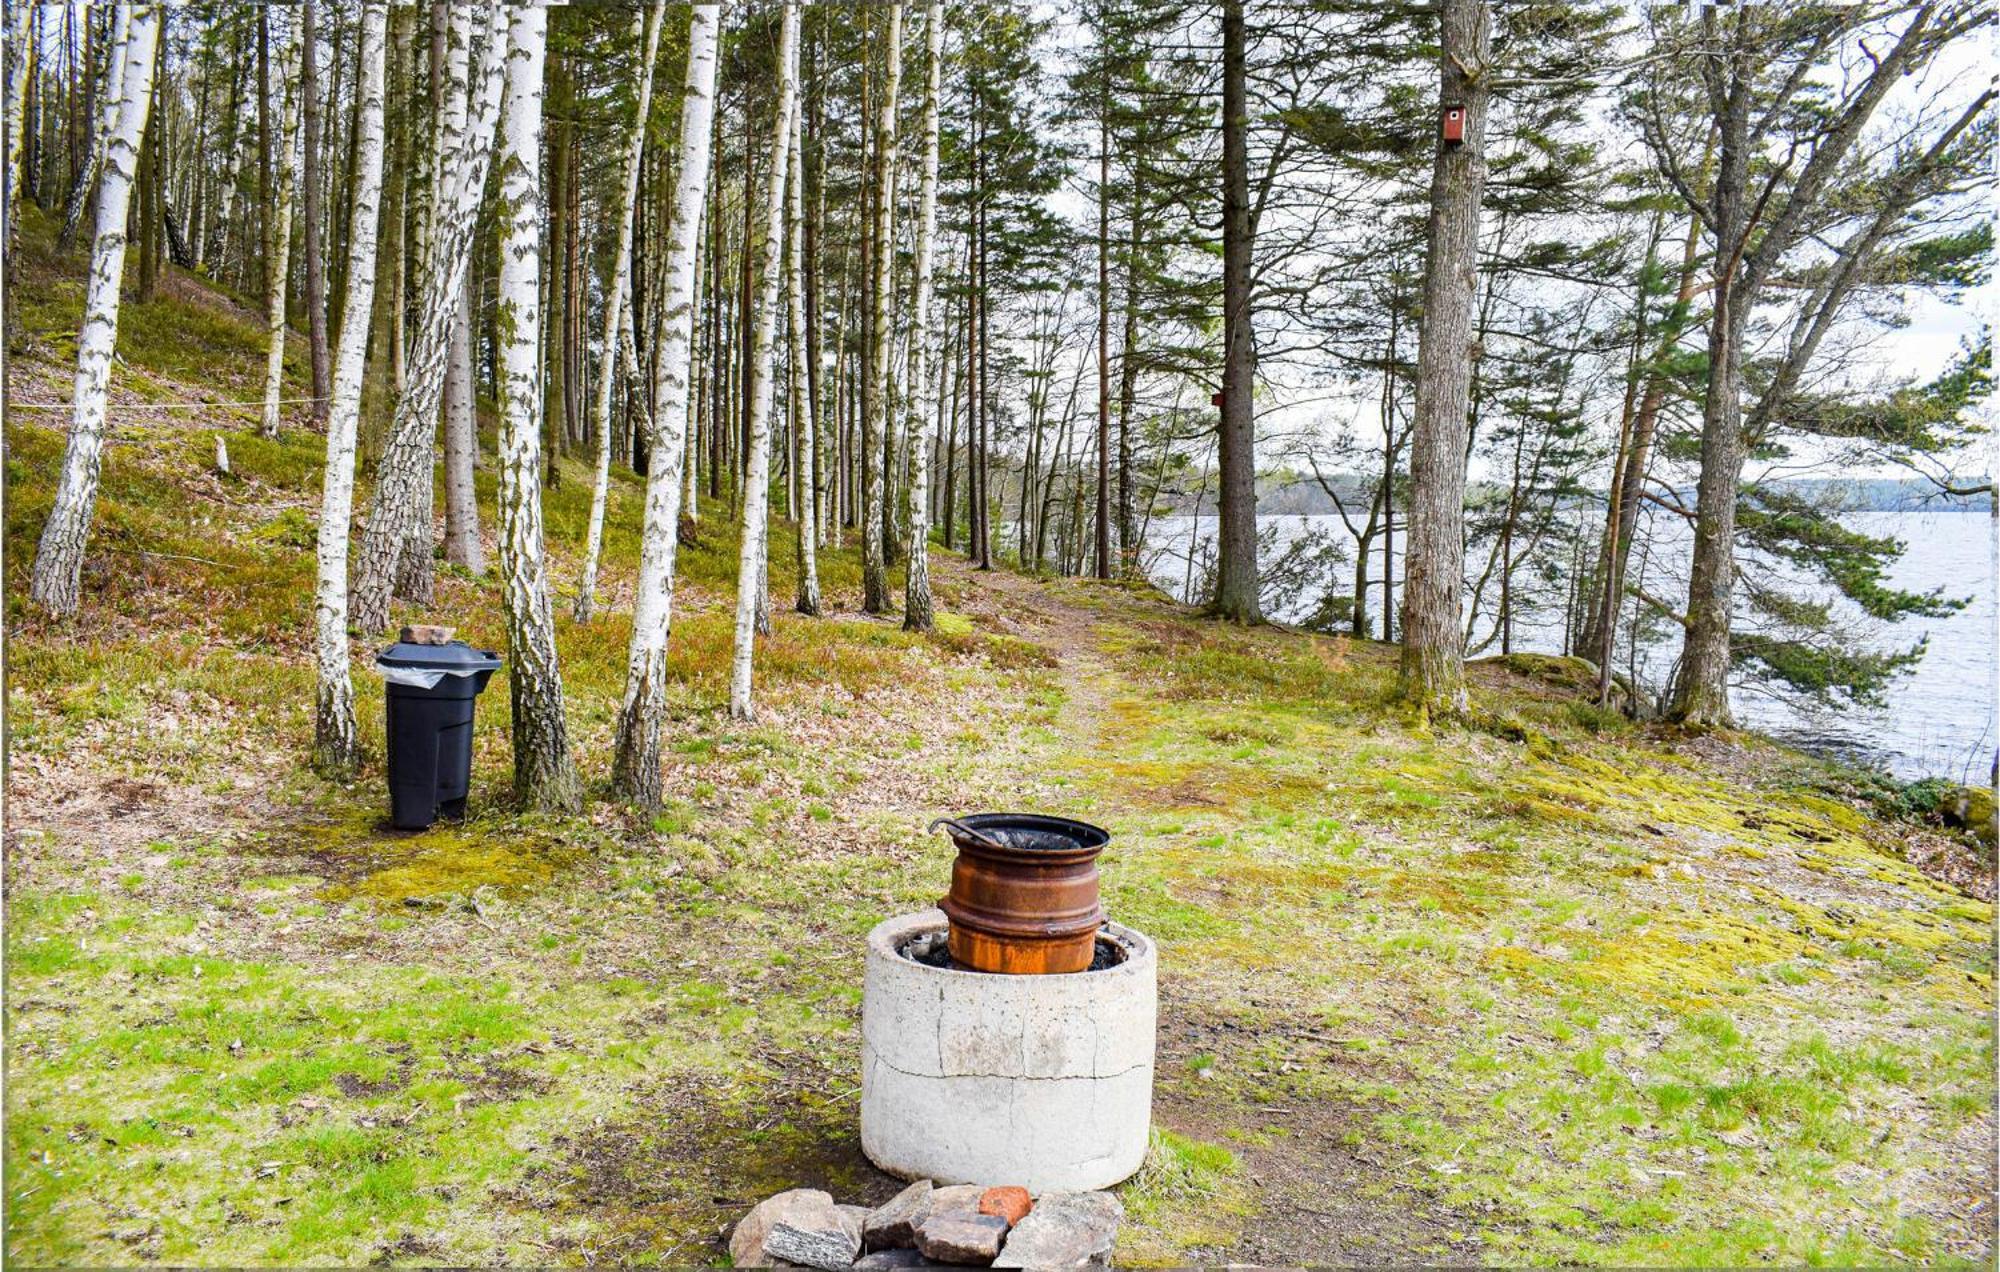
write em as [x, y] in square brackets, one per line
[988, 1078]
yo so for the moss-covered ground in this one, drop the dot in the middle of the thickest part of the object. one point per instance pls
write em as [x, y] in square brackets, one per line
[1539, 988]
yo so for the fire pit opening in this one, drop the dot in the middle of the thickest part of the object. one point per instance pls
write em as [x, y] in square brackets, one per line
[932, 949]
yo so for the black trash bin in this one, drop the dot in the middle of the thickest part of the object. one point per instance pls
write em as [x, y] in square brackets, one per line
[430, 726]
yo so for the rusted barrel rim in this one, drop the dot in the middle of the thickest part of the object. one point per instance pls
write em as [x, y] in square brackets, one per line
[976, 831]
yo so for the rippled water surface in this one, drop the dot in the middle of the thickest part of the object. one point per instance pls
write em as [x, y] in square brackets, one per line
[1938, 719]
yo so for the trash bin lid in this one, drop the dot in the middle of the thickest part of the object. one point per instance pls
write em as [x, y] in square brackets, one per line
[454, 656]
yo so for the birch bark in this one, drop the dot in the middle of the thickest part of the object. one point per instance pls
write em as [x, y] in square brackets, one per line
[399, 531]
[544, 774]
[461, 446]
[917, 609]
[101, 128]
[59, 558]
[751, 591]
[642, 714]
[621, 276]
[336, 750]
[276, 275]
[875, 423]
[805, 434]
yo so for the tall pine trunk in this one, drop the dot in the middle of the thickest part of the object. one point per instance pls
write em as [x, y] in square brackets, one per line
[1236, 590]
[614, 307]
[59, 558]
[544, 773]
[1433, 661]
[917, 609]
[336, 749]
[643, 712]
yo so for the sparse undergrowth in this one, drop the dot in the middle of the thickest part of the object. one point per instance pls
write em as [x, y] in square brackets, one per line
[1550, 988]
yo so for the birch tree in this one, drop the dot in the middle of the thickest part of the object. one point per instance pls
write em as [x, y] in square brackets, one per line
[544, 774]
[805, 439]
[614, 303]
[751, 591]
[275, 273]
[59, 558]
[1433, 665]
[101, 127]
[336, 750]
[642, 713]
[461, 446]
[20, 65]
[399, 524]
[875, 423]
[917, 609]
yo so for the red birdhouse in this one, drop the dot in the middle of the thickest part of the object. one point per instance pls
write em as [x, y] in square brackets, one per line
[1454, 125]
[1216, 399]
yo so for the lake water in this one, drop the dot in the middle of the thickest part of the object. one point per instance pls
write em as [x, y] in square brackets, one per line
[1939, 717]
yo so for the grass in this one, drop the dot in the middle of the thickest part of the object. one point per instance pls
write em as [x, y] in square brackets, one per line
[1544, 988]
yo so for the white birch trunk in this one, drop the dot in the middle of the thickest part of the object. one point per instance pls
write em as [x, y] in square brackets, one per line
[20, 30]
[621, 277]
[102, 127]
[336, 749]
[642, 714]
[276, 273]
[59, 559]
[225, 199]
[805, 445]
[544, 774]
[876, 427]
[751, 591]
[398, 526]
[917, 610]
[461, 446]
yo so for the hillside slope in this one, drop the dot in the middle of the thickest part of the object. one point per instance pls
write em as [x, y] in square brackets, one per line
[1544, 989]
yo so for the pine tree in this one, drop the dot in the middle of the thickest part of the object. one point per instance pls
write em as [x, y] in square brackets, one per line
[1433, 659]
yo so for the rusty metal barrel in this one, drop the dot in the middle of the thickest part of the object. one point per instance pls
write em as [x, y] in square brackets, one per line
[1023, 896]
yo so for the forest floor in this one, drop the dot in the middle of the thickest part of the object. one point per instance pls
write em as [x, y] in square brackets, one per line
[1544, 987]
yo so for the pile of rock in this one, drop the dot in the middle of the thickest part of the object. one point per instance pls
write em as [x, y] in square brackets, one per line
[963, 1225]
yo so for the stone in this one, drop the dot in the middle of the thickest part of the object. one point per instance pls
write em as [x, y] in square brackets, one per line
[1064, 1230]
[746, 1242]
[893, 1224]
[855, 1215]
[817, 1236]
[1009, 1203]
[958, 1237]
[883, 1260]
[1041, 1081]
[957, 1197]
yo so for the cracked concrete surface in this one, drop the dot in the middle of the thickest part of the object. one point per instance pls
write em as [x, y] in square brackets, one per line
[1042, 1081]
